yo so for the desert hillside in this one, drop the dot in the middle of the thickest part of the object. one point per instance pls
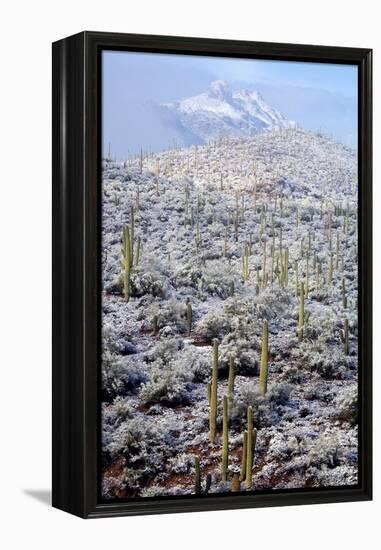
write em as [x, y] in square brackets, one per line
[230, 317]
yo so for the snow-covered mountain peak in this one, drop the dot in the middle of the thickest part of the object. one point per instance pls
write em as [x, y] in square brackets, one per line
[219, 89]
[221, 112]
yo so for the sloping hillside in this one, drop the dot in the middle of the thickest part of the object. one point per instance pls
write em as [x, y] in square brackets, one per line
[226, 241]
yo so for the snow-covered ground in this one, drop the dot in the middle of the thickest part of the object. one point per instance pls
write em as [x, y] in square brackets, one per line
[204, 218]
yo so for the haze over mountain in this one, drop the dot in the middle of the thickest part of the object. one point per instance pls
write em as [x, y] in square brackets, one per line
[218, 112]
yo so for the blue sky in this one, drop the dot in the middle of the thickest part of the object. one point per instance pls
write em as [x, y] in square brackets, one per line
[317, 95]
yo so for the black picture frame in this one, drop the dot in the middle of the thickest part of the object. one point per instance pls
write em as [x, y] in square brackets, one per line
[76, 271]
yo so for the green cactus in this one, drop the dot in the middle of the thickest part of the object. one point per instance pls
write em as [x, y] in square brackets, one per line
[337, 250]
[230, 383]
[189, 317]
[296, 280]
[209, 392]
[225, 252]
[137, 255]
[208, 483]
[286, 267]
[306, 289]
[330, 274]
[155, 324]
[132, 235]
[236, 485]
[249, 449]
[301, 313]
[264, 359]
[346, 337]
[264, 266]
[242, 475]
[197, 476]
[126, 262]
[344, 294]
[317, 270]
[231, 288]
[213, 393]
[225, 439]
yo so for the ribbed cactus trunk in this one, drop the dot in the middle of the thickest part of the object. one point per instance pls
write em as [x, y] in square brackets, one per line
[137, 255]
[197, 476]
[189, 318]
[213, 393]
[242, 475]
[296, 280]
[264, 266]
[344, 295]
[264, 359]
[346, 337]
[236, 486]
[126, 262]
[301, 313]
[306, 289]
[225, 252]
[132, 235]
[249, 449]
[225, 439]
[230, 384]
[286, 267]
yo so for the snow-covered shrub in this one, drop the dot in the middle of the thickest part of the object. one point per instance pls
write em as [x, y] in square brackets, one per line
[120, 376]
[165, 350]
[169, 384]
[214, 324]
[267, 409]
[149, 277]
[346, 404]
[325, 450]
[168, 313]
[218, 277]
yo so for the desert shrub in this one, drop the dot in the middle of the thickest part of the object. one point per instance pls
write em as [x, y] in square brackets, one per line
[187, 274]
[273, 303]
[246, 358]
[149, 277]
[168, 313]
[346, 404]
[165, 350]
[324, 450]
[120, 377]
[116, 343]
[267, 409]
[214, 324]
[169, 384]
[217, 278]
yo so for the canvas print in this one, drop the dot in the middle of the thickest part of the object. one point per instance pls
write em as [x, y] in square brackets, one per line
[229, 276]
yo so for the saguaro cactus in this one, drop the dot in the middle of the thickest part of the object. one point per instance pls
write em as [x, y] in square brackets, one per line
[213, 393]
[242, 474]
[132, 235]
[189, 317]
[264, 266]
[301, 313]
[249, 449]
[346, 337]
[264, 356]
[286, 267]
[344, 295]
[307, 276]
[225, 439]
[225, 252]
[197, 476]
[126, 262]
[230, 383]
[137, 255]
[236, 485]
